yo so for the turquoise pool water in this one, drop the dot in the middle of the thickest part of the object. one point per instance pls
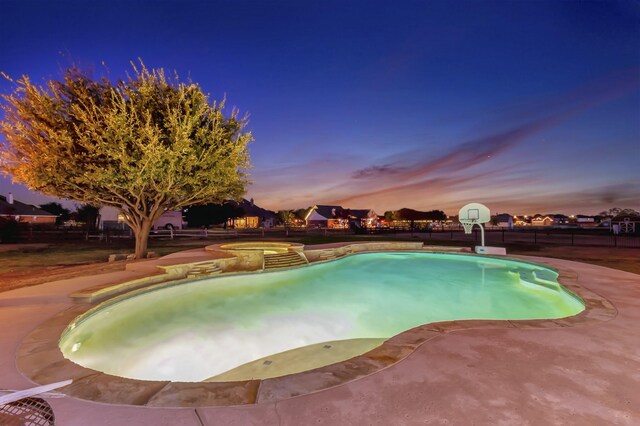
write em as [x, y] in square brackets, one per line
[194, 331]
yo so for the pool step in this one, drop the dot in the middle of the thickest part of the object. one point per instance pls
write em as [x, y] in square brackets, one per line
[204, 269]
[283, 260]
[538, 278]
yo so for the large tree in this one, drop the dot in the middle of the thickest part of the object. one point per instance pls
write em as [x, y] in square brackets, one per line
[286, 217]
[143, 145]
[89, 215]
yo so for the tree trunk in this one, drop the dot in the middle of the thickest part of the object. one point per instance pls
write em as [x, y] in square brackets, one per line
[142, 238]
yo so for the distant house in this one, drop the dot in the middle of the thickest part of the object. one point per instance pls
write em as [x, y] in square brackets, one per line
[504, 220]
[253, 217]
[555, 220]
[626, 224]
[560, 219]
[585, 221]
[325, 217]
[366, 218]
[521, 221]
[604, 221]
[540, 220]
[21, 212]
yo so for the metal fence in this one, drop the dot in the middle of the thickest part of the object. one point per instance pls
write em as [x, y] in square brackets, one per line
[557, 237]
[542, 237]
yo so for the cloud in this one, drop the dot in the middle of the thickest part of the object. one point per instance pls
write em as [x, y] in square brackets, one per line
[456, 161]
[433, 186]
[374, 171]
[460, 159]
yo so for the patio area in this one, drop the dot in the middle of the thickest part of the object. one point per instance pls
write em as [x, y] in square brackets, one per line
[515, 372]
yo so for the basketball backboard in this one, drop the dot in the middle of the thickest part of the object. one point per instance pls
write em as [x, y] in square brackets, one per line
[476, 212]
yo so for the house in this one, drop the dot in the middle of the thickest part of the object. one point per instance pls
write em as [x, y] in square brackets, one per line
[504, 220]
[323, 216]
[253, 216]
[554, 220]
[560, 219]
[25, 213]
[604, 221]
[585, 221]
[365, 218]
[626, 223]
[522, 221]
[540, 220]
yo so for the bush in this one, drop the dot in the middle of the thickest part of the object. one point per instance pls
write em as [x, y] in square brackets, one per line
[9, 230]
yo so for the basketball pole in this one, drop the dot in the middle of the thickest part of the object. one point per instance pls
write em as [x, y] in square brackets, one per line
[481, 234]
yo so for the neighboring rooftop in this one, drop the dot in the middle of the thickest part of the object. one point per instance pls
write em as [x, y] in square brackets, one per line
[11, 207]
[327, 211]
[252, 209]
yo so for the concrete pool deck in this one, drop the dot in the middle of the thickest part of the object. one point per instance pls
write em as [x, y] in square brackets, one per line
[585, 373]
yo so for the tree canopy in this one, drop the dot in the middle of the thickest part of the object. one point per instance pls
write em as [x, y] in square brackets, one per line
[615, 211]
[144, 145]
[87, 214]
[286, 217]
[57, 209]
[413, 215]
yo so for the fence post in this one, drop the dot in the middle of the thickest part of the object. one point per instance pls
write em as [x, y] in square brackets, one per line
[206, 233]
[572, 232]
[535, 237]
[451, 234]
[615, 240]
[171, 232]
[503, 235]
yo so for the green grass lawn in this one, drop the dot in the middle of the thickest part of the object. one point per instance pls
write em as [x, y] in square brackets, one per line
[69, 254]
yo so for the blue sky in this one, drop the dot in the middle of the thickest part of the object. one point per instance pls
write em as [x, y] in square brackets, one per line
[524, 106]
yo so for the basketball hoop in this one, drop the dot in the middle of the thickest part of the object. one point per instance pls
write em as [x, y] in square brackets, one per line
[468, 226]
[472, 214]
[478, 214]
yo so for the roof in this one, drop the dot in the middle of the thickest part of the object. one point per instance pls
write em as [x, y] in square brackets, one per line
[559, 216]
[361, 213]
[20, 209]
[327, 211]
[251, 209]
[621, 217]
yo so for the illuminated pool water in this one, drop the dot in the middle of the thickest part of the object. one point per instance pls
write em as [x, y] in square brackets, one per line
[191, 332]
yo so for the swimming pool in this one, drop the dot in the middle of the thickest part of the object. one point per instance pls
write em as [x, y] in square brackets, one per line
[203, 329]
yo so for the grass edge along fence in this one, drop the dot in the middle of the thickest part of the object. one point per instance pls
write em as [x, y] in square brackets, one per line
[526, 236]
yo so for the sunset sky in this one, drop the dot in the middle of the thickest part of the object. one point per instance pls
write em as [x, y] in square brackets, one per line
[527, 107]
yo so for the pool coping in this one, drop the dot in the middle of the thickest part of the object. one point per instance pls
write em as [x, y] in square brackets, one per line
[40, 359]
